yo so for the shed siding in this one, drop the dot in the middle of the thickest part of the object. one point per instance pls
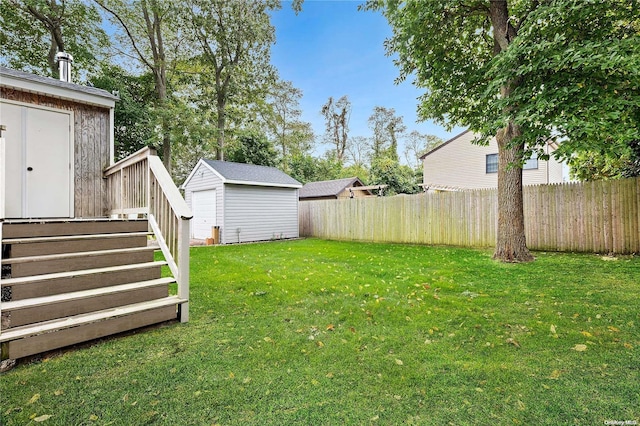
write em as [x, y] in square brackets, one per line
[260, 213]
[91, 149]
[204, 179]
[463, 164]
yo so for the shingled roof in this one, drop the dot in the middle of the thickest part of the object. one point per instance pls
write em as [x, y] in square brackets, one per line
[328, 188]
[248, 174]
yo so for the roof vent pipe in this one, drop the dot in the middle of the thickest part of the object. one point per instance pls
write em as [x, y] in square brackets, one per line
[64, 65]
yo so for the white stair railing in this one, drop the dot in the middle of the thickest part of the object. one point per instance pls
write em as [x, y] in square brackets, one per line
[140, 184]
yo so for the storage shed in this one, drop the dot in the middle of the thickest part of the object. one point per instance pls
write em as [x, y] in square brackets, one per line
[246, 202]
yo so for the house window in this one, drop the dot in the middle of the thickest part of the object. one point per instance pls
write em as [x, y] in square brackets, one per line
[492, 163]
[531, 163]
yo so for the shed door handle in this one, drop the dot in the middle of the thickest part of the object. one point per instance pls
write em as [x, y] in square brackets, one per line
[29, 169]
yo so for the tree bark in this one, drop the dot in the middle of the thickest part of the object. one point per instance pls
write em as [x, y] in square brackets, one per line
[511, 244]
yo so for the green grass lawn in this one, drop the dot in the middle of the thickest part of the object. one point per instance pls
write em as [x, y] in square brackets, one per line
[315, 332]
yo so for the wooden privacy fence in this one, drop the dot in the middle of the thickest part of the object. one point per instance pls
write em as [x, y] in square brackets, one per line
[601, 217]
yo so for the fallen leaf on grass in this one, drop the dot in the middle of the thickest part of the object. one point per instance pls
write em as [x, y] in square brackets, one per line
[555, 374]
[513, 342]
[42, 418]
[58, 392]
[93, 417]
[586, 334]
[614, 329]
[34, 398]
[399, 361]
[552, 329]
[628, 345]
[579, 348]
[330, 327]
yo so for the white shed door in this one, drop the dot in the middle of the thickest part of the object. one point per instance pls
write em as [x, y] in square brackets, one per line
[204, 213]
[38, 162]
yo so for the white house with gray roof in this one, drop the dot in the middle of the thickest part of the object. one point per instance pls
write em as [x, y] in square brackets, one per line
[246, 202]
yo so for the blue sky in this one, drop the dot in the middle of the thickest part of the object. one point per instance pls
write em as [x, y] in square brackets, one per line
[332, 49]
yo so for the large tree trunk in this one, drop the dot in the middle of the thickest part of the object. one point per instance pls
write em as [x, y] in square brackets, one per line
[221, 122]
[511, 244]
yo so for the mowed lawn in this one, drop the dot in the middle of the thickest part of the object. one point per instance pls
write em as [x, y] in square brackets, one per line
[313, 332]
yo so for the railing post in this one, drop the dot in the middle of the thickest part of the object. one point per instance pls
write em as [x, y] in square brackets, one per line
[2, 173]
[1, 271]
[183, 266]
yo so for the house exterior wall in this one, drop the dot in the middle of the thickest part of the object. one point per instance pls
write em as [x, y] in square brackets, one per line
[204, 179]
[260, 213]
[462, 164]
[91, 148]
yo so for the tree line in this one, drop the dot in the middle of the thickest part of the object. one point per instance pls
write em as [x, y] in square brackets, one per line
[194, 80]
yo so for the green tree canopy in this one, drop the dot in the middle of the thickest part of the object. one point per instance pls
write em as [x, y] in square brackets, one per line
[33, 31]
[523, 71]
[252, 147]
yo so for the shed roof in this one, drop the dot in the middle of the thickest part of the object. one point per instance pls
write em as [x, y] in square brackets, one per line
[56, 88]
[328, 188]
[248, 174]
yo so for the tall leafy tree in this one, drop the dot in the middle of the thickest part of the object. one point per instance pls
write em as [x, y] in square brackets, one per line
[284, 123]
[252, 147]
[417, 144]
[522, 71]
[134, 123]
[149, 31]
[359, 151]
[234, 40]
[386, 128]
[336, 117]
[32, 32]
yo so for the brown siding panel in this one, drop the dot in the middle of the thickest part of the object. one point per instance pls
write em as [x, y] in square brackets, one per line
[91, 149]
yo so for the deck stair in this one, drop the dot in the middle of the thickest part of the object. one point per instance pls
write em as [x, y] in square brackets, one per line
[68, 281]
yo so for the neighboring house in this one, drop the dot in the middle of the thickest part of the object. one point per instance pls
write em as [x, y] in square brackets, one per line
[246, 202]
[333, 189]
[72, 270]
[458, 164]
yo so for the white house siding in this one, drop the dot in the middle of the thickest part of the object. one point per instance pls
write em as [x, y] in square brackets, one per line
[204, 179]
[462, 164]
[259, 213]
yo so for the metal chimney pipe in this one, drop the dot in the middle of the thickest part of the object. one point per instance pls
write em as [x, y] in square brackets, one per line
[64, 65]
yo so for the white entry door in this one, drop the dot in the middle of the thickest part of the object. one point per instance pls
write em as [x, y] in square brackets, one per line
[38, 174]
[204, 213]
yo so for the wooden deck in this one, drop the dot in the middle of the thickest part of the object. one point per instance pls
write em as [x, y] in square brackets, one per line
[69, 281]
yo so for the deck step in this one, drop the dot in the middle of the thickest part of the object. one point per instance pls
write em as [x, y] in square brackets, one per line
[63, 238]
[86, 279]
[79, 295]
[48, 264]
[29, 340]
[77, 320]
[84, 254]
[35, 246]
[38, 309]
[73, 274]
[52, 228]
